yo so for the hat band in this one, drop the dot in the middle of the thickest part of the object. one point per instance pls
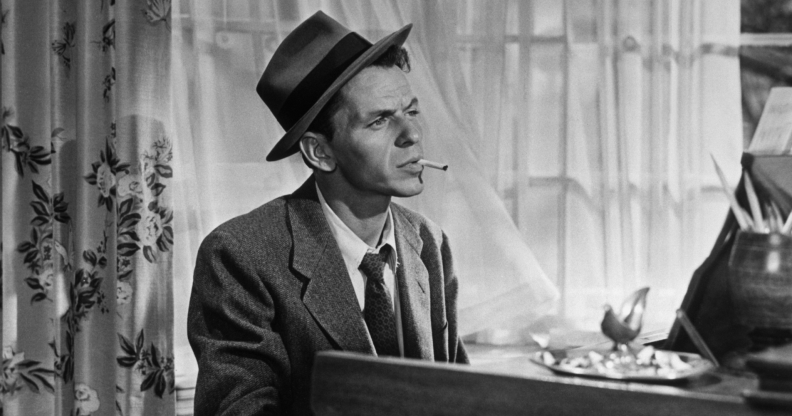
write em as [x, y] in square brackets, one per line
[311, 88]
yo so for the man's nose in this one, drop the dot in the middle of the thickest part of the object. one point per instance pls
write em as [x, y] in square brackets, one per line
[410, 132]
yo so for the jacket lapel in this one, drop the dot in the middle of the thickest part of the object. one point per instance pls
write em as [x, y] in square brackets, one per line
[413, 282]
[329, 295]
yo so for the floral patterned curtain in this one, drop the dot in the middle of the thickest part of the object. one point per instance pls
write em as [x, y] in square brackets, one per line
[87, 315]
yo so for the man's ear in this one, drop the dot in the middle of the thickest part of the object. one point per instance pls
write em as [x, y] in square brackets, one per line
[314, 148]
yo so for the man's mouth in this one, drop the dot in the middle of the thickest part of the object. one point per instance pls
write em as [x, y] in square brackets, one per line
[411, 161]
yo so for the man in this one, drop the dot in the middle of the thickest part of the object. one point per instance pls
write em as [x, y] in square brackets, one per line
[335, 265]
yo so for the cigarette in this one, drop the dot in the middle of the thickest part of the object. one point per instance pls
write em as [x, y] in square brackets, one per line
[430, 164]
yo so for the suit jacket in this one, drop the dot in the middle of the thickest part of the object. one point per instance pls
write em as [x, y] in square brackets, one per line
[271, 289]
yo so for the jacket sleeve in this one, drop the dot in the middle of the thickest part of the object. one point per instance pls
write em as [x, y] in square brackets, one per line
[456, 348]
[242, 362]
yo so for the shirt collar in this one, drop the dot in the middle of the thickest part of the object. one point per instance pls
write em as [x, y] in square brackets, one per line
[352, 247]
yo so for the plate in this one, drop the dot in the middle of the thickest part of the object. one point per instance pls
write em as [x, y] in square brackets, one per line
[698, 366]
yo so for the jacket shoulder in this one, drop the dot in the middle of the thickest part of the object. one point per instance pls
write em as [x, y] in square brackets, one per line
[266, 221]
[413, 216]
[422, 224]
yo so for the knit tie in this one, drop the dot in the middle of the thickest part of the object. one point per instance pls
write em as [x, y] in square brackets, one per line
[378, 311]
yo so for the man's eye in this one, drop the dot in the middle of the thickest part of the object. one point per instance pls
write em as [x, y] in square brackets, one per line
[378, 122]
[413, 113]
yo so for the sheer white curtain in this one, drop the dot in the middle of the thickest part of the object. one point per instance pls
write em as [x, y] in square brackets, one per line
[653, 90]
[594, 121]
[578, 134]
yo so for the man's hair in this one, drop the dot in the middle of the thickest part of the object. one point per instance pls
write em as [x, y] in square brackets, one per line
[394, 56]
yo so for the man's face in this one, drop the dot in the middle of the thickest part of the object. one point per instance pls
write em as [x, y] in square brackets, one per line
[378, 134]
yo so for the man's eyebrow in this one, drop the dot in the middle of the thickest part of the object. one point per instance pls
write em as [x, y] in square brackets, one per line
[390, 112]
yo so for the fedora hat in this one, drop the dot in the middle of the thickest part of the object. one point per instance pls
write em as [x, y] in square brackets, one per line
[311, 64]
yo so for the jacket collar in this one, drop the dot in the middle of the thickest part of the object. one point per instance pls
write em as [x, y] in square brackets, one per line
[329, 295]
[413, 281]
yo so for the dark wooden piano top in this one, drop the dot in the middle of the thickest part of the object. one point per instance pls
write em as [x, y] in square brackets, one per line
[503, 381]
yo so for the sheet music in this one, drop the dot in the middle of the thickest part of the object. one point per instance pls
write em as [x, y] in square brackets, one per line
[774, 133]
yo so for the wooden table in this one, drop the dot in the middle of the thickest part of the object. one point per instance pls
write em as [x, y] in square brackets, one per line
[508, 383]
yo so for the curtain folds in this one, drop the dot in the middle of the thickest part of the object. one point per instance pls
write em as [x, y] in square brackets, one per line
[653, 92]
[88, 212]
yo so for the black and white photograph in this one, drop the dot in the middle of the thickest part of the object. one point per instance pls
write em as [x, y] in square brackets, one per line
[396, 207]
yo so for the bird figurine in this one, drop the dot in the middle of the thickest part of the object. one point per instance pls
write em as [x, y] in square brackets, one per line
[626, 325]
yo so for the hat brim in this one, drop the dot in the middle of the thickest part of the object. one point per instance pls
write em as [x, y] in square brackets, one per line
[287, 145]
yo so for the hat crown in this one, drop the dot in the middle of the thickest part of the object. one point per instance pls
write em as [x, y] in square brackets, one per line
[299, 53]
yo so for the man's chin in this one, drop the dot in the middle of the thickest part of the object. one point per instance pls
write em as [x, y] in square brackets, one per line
[408, 192]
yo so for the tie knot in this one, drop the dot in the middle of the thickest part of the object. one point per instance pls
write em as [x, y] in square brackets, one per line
[373, 263]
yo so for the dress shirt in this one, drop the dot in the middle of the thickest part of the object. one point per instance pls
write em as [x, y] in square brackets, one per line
[353, 248]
